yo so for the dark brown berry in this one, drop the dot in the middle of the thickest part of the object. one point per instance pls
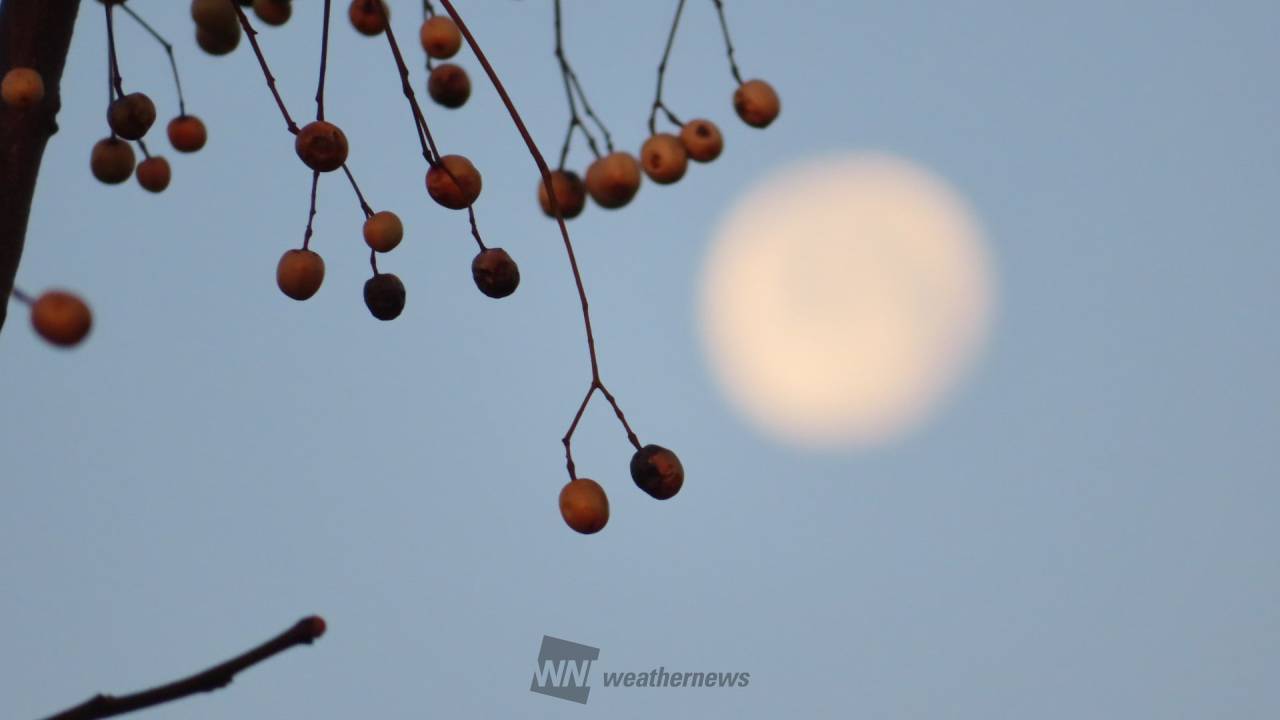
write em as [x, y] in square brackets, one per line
[273, 12]
[449, 85]
[495, 273]
[321, 146]
[131, 116]
[657, 471]
[367, 17]
[112, 161]
[384, 296]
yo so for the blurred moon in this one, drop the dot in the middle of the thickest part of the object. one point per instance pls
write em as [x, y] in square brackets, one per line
[843, 297]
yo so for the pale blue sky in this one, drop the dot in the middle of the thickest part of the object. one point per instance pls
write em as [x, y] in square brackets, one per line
[1087, 529]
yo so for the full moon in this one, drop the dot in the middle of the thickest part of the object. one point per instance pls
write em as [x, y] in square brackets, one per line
[843, 298]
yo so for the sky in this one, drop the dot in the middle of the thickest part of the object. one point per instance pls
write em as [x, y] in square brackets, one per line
[1085, 528]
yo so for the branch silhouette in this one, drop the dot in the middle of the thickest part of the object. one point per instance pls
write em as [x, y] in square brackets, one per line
[303, 632]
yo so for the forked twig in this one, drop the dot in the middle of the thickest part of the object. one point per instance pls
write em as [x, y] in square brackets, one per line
[662, 75]
[596, 382]
[168, 48]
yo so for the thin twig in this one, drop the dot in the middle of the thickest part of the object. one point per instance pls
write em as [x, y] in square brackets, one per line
[564, 234]
[471, 214]
[21, 296]
[428, 12]
[631, 436]
[571, 84]
[168, 48]
[266, 71]
[324, 62]
[662, 74]
[364, 206]
[116, 81]
[303, 632]
[429, 151]
[311, 215]
[728, 43]
[573, 427]
[586, 108]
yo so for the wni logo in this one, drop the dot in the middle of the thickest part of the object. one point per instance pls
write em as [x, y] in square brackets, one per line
[563, 669]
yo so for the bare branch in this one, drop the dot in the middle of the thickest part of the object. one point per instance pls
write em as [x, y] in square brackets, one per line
[303, 632]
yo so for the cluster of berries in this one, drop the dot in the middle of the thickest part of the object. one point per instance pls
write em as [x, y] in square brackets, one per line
[613, 180]
[654, 469]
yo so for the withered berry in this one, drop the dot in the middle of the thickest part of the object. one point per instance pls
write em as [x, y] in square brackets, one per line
[657, 471]
[384, 296]
[321, 146]
[495, 273]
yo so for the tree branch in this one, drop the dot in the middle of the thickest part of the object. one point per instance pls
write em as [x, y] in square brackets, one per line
[34, 34]
[304, 632]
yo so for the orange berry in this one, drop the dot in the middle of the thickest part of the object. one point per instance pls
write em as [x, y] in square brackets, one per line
[584, 506]
[153, 174]
[657, 471]
[61, 318]
[613, 180]
[756, 103]
[440, 37]
[664, 158]
[702, 140]
[321, 146]
[454, 182]
[571, 193]
[111, 161]
[273, 12]
[300, 273]
[449, 85]
[383, 231]
[495, 273]
[187, 133]
[384, 296]
[22, 88]
[131, 116]
[367, 17]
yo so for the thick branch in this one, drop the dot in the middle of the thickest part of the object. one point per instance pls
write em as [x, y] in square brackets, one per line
[219, 676]
[34, 34]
